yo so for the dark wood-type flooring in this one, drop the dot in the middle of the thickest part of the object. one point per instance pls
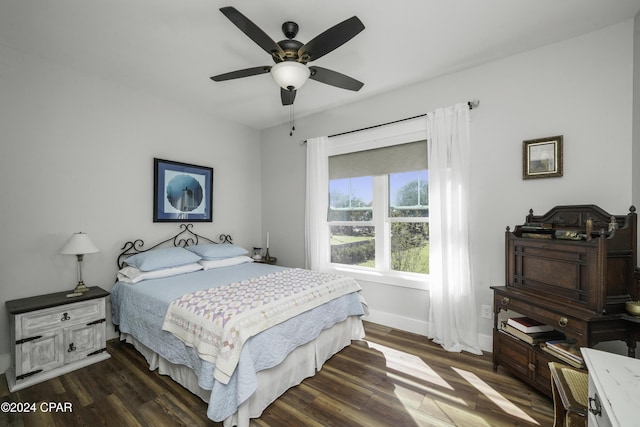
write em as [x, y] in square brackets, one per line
[393, 378]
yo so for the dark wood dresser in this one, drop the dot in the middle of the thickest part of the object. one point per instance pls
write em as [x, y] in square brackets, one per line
[572, 268]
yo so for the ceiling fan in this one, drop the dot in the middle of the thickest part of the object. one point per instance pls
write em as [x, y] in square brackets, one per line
[291, 56]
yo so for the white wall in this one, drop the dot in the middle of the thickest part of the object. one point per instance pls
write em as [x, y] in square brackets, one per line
[77, 155]
[580, 88]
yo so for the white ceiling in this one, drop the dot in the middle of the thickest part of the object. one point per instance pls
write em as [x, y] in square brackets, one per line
[170, 48]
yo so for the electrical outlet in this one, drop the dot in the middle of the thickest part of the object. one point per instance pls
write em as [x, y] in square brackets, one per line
[486, 312]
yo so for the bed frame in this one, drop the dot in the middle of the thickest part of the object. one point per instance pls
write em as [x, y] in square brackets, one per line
[303, 362]
[185, 237]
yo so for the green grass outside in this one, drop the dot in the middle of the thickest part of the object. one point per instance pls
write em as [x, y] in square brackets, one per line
[423, 256]
[338, 240]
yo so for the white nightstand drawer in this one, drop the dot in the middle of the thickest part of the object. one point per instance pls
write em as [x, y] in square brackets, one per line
[49, 319]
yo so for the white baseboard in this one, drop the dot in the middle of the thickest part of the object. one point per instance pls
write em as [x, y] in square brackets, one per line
[485, 342]
[5, 361]
[408, 324]
[416, 326]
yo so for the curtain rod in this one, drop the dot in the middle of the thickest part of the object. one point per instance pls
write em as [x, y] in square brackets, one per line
[472, 104]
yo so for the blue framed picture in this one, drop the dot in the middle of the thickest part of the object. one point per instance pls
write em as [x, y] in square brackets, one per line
[181, 192]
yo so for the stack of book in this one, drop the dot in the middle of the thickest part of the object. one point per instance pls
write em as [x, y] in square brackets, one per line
[565, 351]
[530, 331]
[539, 230]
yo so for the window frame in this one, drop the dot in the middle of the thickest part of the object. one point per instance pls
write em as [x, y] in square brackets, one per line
[384, 136]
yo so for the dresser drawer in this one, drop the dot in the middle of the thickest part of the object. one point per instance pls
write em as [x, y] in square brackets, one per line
[49, 319]
[562, 322]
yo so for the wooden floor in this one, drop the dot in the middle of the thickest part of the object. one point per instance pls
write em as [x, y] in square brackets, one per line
[392, 378]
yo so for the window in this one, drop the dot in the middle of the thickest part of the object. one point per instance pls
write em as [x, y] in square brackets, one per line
[351, 221]
[408, 217]
[378, 210]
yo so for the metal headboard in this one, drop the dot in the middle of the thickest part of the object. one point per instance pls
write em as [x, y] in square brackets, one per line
[185, 237]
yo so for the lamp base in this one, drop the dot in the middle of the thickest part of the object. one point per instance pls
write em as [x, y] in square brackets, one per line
[81, 288]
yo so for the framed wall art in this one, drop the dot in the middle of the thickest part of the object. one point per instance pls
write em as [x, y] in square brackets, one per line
[181, 192]
[542, 157]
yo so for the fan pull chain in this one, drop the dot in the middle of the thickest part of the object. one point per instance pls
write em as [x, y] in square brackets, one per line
[291, 120]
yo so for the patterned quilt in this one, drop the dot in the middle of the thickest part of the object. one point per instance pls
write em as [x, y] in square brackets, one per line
[217, 322]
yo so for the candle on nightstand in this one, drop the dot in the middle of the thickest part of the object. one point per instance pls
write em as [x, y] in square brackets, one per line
[267, 240]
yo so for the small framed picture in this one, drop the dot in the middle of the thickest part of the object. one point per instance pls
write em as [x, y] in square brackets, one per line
[181, 192]
[542, 157]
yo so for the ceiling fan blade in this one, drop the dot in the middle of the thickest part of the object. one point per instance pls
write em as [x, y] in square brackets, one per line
[334, 78]
[287, 96]
[253, 31]
[331, 39]
[247, 72]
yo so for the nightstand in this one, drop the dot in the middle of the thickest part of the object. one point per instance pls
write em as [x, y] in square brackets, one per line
[270, 260]
[613, 388]
[54, 334]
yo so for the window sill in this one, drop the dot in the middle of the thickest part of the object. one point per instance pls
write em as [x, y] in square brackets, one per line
[406, 280]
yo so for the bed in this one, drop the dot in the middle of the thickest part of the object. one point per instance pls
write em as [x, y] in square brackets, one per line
[237, 333]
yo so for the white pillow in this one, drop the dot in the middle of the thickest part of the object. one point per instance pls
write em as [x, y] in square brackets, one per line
[133, 275]
[208, 264]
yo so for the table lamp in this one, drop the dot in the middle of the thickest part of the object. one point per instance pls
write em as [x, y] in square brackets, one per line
[79, 244]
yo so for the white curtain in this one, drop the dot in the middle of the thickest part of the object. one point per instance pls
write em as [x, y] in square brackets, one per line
[316, 242]
[452, 307]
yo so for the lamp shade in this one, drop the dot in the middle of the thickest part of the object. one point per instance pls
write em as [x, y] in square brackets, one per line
[290, 74]
[79, 244]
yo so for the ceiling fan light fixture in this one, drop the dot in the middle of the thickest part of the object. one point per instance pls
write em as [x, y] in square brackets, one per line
[290, 75]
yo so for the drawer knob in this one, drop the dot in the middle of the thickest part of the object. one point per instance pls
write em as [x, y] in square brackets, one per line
[531, 367]
[65, 317]
[505, 301]
[71, 348]
[596, 408]
[562, 322]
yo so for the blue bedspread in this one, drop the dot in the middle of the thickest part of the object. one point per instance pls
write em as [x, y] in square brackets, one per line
[139, 309]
